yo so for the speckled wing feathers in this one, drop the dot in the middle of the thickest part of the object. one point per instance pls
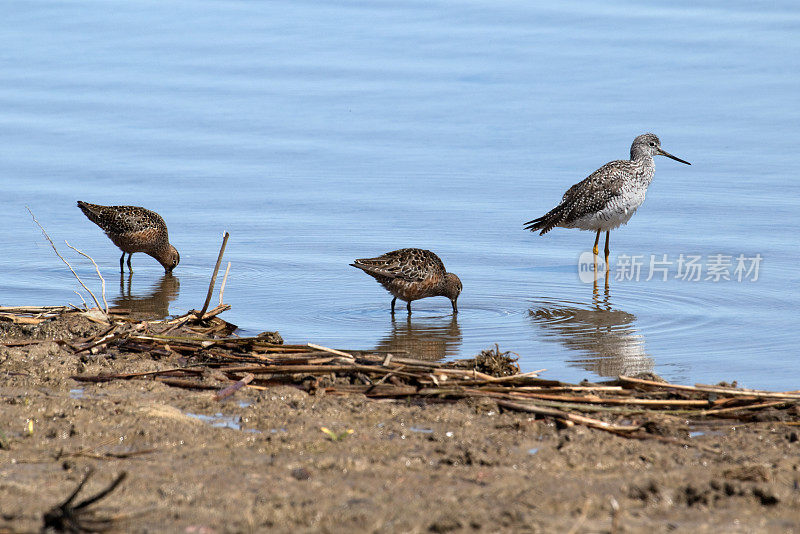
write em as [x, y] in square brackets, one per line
[408, 264]
[588, 196]
[594, 192]
[122, 220]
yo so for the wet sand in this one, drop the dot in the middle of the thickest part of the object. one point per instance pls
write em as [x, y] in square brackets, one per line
[259, 460]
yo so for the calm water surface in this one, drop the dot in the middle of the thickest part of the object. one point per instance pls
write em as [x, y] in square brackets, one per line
[317, 132]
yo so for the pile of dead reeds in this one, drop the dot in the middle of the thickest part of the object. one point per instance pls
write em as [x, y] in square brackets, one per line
[203, 344]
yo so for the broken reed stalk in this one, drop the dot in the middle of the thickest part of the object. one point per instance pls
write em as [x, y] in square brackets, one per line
[96, 268]
[224, 281]
[559, 414]
[214, 276]
[34, 309]
[62, 259]
[332, 351]
[230, 390]
[86, 306]
[710, 389]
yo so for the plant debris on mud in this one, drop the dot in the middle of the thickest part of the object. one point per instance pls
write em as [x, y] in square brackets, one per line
[224, 433]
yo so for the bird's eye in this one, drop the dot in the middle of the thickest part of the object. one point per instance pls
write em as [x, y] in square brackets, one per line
[652, 143]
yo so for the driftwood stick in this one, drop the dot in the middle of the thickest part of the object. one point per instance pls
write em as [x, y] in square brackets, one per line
[381, 381]
[233, 388]
[216, 311]
[593, 399]
[214, 276]
[597, 408]
[224, 281]
[711, 389]
[34, 309]
[395, 360]
[125, 376]
[474, 373]
[62, 258]
[512, 378]
[543, 389]
[332, 351]
[746, 407]
[96, 268]
[313, 369]
[580, 419]
[105, 338]
[181, 383]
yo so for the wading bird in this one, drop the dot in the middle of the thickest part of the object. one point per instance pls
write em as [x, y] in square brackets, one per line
[134, 229]
[411, 274]
[609, 196]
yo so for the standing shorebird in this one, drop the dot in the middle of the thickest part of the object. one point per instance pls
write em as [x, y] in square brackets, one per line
[609, 196]
[412, 274]
[134, 229]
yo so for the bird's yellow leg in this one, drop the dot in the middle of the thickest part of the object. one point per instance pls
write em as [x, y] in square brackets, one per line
[596, 241]
[608, 249]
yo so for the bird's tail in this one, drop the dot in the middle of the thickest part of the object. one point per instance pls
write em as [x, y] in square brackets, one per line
[92, 211]
[371, 269]
[546, 222]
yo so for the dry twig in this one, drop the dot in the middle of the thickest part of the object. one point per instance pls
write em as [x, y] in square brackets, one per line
[224, 281]
[202, 312]
[96, 268]
[332, 351]
[62, 259]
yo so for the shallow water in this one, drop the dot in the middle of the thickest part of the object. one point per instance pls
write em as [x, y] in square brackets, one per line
[318, 133]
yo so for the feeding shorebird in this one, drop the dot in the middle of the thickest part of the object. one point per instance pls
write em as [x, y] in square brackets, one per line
[134, 229]
[411, 274]
[609, 196]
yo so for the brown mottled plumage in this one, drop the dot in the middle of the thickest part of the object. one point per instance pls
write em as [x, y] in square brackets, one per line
[609, 196]
[411, 274]
[134, 229]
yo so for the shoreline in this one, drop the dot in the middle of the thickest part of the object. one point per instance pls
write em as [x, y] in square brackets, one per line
[321, 439]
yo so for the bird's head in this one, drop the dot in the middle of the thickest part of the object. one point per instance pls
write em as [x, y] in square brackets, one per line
[649, 145]
[452, 289]
[171, 259]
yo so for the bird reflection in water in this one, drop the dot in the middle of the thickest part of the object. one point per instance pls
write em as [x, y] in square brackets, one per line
[423, 339]
[606, 337]
[154, 304]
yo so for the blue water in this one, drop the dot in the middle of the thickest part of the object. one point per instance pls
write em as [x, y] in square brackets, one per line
[316, 133]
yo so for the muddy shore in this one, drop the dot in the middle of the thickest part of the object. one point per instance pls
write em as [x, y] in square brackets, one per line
[259, 460]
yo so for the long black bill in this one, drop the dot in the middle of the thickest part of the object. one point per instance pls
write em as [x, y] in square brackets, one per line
[665, 153]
